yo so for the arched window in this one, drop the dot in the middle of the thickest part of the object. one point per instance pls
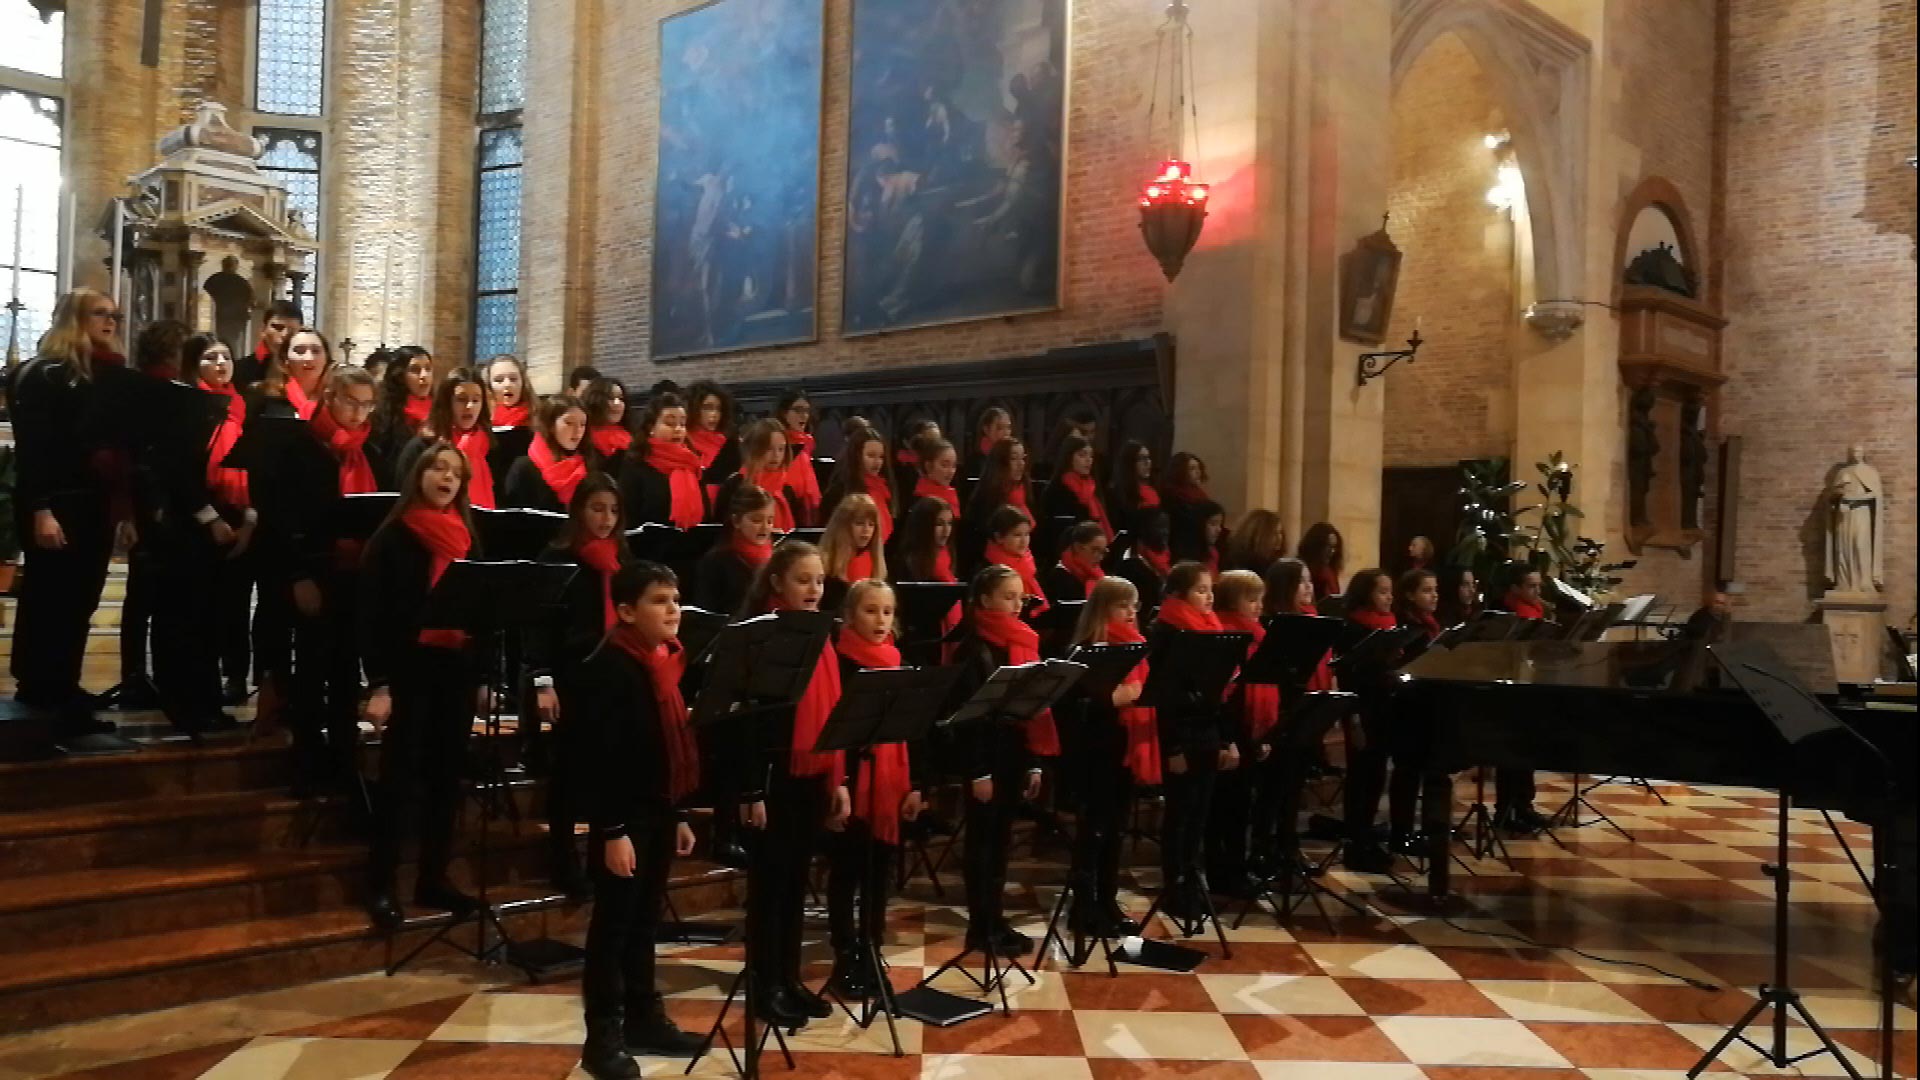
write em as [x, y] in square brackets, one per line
[290, 95]
[503, 93]
[32, 124]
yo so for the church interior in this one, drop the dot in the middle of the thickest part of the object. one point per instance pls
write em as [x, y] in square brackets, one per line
[1360, 539]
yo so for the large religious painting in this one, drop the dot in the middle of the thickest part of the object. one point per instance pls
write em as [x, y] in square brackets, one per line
[955, 163]
[736, 217]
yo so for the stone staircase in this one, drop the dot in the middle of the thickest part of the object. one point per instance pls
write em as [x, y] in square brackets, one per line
[139, 881]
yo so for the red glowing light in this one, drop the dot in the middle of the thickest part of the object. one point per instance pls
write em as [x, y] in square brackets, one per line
[1174, 185]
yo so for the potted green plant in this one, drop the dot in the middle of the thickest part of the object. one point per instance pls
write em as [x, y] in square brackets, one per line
[1492, 532]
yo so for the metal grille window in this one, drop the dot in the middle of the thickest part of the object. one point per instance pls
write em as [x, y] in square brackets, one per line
[30, 43]
[30, 137]
[503, 56]
[290, 58]
[497, 244]
[293, 158]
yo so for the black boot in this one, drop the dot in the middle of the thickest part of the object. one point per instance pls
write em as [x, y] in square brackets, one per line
[384, 911]
[852, 978]
[774, 1004]
[440, 893]
[810, 1003]
[652, 1033]
[604, 1055]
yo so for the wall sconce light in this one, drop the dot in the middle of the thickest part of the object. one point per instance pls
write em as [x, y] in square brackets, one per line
[1494, 140]
[1373, 365]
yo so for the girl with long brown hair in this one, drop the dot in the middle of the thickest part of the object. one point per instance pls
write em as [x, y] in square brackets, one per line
[608, 433]
[763, 464]
[555, 465]
[723, 575]
[660, 476]
[851, 547]
[459, 416]
[1116, 748]
[862, 470]
[1074, 491]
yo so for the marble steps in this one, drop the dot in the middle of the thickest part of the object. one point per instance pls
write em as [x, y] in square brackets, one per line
[161, 771]
[46, 986]
[103, 835]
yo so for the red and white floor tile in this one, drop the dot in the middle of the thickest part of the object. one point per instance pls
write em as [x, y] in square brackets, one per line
[1399, 997]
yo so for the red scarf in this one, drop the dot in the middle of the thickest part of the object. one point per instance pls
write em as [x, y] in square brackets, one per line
[1138, 721]
[774, 483]
[906, 457]
[444, 534]
[1086, 573]
[1021, 564]
[800, 474]
[1326, 581]
[754, 555]
[882, 495]
[1523, 607]
[943, 571]
[810, 718]
[1425, 621]
[1374, 620]
[562, 474]
[1158, 560]
[986, 445]
[602, 556]
[1022, 644]
[1259, 703]
[1149, 498]
[473, 444]
[925, 488]
[883, 784]
[1085, 490]
[706, 445]
[860, 568]
[1177, 613]
[681, 466]
[227, 486]
[416, 410]
[1186, 491]
[665, 664]
[512, 416]
[1322, 679]
[349, 449]
[609, 440]
[303, 406]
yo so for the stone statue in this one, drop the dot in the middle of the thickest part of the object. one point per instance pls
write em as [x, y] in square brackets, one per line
[1643, 445]
[1855, 525]
[1693, 462]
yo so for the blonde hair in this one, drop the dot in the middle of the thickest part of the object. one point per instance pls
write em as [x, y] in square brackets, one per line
[836, 544]
[858, 592]
[1234, 586]
[1108, 593]
[66, 339]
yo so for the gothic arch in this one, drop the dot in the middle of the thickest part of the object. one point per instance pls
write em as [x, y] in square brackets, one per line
[1539, 70]
[1660, 193]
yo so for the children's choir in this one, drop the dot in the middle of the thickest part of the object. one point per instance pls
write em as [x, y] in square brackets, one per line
[338, 635]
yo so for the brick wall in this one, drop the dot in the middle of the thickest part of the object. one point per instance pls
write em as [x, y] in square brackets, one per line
[1112, 287]
[1456, 275]
[1820, 280]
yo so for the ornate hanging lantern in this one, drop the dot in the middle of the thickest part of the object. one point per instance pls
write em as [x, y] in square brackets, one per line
[1173, 205]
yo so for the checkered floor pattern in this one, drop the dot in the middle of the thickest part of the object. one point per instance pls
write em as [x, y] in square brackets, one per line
[1397, 995]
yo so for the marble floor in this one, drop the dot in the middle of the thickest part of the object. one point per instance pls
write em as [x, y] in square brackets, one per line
[1509, 986]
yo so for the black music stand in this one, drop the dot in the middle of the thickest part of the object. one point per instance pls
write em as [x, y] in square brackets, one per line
[1798, 717]
[804, 535]
[698, 628]
[878, 707]
[1108, 666]
[754, 668]
[516, 532]
[1190, 667]
[1010, 696]
[486, 599]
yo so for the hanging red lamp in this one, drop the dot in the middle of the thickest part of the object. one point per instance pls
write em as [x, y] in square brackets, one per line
[1173, 210]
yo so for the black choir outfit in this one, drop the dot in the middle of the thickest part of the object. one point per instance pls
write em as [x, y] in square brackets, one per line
[526, 489]
[1194, 731]
[557, 650]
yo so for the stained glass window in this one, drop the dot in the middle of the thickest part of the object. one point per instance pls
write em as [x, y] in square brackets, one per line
[293, 158]
[30, 43]
[497, 244]
[29, 242]
[290, 60]
[503, 56]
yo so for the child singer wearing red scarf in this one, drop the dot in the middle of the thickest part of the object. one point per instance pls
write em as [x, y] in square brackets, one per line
[1195, 746]
[724, 574]
[1002, 762]
[1010, 544]
[1080, 567]
[1074, 493]
[1514, 788]
[851, 547]
[795, 413]
[802, 791]
[937, 465]
[885, 795]
[763, 464]
[862, 470]
[646, 765]
[1369, 606]
[1117, 748]
[554, 466]
[423, 679]
[1253, 711]
[660, 479]
[592, 539]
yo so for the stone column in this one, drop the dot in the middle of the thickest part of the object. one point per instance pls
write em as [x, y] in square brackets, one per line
[1295, 136]
[557, 218]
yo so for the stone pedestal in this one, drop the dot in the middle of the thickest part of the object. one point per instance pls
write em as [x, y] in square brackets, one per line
[1857, 623]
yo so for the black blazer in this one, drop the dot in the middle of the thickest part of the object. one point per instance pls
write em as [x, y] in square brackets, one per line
[393, 590]
[573, 627]
[646, 495]
[386, 451]
[526, 489]
[50, 403]
[1187, 531]
[615, 705]
[720, 580]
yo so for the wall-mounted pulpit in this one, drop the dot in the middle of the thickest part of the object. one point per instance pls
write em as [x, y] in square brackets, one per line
[1670, 363]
